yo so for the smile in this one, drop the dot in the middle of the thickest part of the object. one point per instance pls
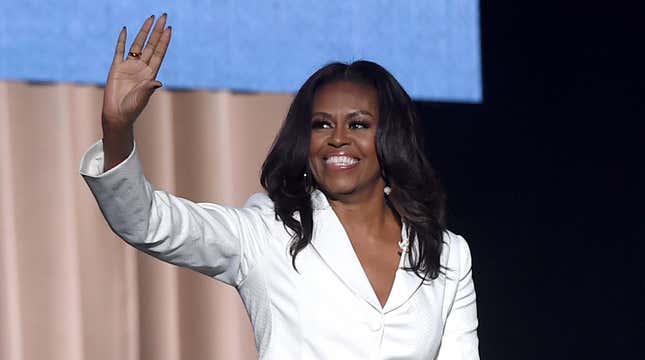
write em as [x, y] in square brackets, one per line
[341, 161]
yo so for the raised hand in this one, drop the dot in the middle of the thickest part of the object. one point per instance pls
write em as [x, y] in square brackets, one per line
[132, 80]
[130, 84]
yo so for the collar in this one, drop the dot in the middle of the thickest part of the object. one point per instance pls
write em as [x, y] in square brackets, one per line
[331, 243]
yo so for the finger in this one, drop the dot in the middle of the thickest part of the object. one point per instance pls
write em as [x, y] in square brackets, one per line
[120, 46]
[138, 42]
[160, 50]
[154, 38]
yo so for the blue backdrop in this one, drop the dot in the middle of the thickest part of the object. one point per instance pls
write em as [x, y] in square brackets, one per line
[432, 47]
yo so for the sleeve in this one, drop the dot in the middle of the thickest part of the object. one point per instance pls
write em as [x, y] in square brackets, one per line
[459, 340]
[207, 238]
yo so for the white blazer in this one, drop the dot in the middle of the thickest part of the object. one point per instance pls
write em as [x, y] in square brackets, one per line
[326, 310]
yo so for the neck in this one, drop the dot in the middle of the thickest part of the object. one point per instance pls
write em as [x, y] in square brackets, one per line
[366, 212]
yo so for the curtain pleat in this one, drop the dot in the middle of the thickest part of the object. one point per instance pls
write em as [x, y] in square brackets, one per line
[10, 307]
[69, 288]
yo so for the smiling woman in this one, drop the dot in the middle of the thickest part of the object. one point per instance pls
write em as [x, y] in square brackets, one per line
[351, 132]
[345, 257]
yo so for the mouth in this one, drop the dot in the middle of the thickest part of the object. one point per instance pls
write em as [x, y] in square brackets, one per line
[341, 161]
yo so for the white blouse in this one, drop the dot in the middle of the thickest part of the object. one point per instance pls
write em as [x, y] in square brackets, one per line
[326, 310]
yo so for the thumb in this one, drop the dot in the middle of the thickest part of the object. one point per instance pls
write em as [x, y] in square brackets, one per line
[153, 85]
[140, 96]
[149, 87]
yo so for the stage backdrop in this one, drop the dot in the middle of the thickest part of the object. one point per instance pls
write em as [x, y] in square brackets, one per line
[69, 289]
[432, 47]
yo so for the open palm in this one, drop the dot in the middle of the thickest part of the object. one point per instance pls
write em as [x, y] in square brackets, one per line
[131, 80]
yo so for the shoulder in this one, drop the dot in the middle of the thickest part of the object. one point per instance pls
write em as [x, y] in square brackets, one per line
[456, 253]
[259, 201]
[260, 204]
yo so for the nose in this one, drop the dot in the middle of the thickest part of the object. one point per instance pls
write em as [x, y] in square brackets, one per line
[339, 137]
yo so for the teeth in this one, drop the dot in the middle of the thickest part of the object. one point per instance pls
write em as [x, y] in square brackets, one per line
[341, 160]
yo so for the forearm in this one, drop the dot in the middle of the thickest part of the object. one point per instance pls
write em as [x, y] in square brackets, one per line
[117, 144]
[203, 237]
[123, 194]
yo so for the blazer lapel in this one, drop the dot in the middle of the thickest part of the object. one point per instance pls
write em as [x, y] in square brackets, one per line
[407, 283]
[332, 244]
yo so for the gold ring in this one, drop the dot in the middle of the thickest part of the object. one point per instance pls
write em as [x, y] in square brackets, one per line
[134, 55]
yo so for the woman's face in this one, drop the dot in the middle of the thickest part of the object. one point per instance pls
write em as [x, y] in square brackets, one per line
[342, 152]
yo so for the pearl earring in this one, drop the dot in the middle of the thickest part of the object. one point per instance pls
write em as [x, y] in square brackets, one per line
[307, 179]
[387, 190]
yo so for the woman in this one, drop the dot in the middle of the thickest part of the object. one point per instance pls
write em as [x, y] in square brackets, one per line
[346, 257]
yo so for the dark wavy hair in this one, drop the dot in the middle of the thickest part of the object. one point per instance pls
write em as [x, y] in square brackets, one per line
[416, 198]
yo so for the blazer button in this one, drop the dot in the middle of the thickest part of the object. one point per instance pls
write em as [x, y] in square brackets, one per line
[375, 324]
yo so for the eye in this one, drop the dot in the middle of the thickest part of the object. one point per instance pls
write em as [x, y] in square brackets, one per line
[359, 124]
[320, 124]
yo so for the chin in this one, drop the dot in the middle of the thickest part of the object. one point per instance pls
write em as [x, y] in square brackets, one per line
[339, 190]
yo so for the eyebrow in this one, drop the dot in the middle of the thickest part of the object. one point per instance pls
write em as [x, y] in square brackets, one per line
[351, 114]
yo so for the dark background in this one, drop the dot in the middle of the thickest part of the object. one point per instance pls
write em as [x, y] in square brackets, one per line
[545, 178]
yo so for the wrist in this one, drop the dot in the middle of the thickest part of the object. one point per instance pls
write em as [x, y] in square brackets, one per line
[116, 126]
[118, 142]
[114, 129]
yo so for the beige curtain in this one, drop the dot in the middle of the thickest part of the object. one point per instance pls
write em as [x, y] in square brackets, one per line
[69, 288]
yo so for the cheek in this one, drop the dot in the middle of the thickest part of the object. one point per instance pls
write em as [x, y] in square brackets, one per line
[368, 149]
[317, 141]
[314, 143]
[367, 146]
[314, 148]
